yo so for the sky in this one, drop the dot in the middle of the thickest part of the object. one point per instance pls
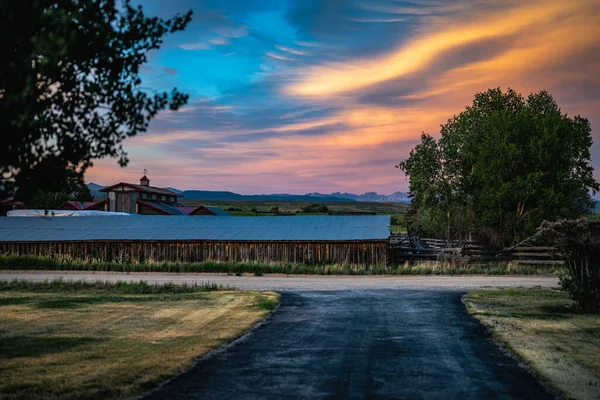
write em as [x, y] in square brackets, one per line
[298, 96]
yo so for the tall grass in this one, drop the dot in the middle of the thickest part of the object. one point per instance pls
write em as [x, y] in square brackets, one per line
[66, 263]
[134, 287]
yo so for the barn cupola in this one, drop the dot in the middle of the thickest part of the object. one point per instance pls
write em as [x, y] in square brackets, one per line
[145, 181]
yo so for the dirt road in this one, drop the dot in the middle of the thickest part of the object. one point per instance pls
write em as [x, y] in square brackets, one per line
[304, 282]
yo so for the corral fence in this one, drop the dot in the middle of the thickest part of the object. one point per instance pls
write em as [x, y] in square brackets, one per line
[404, 248]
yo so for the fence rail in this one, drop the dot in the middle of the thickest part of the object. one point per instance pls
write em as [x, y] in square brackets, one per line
[404, 248]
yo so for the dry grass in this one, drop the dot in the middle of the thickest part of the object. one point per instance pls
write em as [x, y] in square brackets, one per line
[543, 328]
[111, 345]
[67, 263]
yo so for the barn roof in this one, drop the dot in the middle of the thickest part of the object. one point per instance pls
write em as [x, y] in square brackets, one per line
[217, 210]
[142, 188]
[172, 228]
[84, 205]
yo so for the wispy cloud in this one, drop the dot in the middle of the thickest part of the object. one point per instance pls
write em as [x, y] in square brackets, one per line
[431, 43]
[343, 93]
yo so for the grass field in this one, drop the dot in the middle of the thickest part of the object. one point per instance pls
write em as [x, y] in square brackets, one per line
[296, 206]
[542, 327]
[264, 208]
[63, 340]
[425, 268]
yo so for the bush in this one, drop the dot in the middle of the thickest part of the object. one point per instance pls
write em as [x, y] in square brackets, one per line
[579, 242]
[315, 208]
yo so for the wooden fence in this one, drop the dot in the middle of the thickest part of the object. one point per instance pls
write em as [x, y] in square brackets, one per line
[407, 249]
[374, 252]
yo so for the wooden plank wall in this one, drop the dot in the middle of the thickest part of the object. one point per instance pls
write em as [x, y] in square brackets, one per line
[374, 252]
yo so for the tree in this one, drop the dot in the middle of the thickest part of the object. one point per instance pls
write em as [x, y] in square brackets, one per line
[83, 193]
[73, 189]
[501, 167]
[70, 90]
[315, 208]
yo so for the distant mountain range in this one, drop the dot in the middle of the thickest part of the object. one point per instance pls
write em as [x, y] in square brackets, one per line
[398, 197]
[95, 189]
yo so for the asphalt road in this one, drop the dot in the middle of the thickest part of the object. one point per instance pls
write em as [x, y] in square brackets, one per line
[301, 283]
[361, 344]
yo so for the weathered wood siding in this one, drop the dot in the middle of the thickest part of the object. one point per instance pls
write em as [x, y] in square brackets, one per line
[375, 252]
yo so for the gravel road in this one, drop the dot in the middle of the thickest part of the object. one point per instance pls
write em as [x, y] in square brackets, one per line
[304, 282]
[361, 344]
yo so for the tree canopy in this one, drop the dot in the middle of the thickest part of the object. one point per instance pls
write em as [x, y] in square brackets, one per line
[500, 168]
[70, 89]
[73, 189]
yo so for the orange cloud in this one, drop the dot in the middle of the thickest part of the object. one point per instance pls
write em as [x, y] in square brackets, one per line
[423, 50]
[541, 43]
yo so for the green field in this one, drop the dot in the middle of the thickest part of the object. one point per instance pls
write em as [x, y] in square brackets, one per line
[265, 209]
[293, 207]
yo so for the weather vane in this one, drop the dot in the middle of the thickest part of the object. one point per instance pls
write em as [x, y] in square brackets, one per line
[145, 171]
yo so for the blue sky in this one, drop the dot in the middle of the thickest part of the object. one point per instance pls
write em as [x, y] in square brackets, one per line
[328, 95]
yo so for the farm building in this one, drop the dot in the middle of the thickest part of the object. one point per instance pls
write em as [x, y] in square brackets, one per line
[141, 199]
[296, 239]
[101, 205]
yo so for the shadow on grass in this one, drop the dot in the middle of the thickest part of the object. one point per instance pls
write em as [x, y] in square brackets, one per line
[593, 332]
[73, 302]
[35, 346]
[564, 310]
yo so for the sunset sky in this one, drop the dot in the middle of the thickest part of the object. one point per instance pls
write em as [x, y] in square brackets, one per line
[296, 96]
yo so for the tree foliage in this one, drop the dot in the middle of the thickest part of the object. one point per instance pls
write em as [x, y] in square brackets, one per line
[315, 208]
[501, 167]
[70, 89]
[579, 243]
[74, 188]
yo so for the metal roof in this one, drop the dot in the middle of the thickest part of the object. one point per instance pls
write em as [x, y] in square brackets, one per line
[142, 188]
[170, 228]
[84, 205]
[217, 210]
[164, 207]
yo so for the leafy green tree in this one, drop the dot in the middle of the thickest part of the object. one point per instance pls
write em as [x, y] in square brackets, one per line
[501, 167]
[70, 89]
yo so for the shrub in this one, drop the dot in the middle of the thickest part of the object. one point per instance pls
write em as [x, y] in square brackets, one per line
[579, 242]
[315, 208]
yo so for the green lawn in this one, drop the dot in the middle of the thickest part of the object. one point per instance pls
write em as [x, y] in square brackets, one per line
[544, 329]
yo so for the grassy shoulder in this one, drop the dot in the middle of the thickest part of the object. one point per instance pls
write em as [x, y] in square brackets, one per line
[544, 330]
[63, 340]
[30, 263]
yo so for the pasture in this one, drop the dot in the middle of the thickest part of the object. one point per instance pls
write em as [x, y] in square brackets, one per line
[544, 330]
[62, 340]
[293, 207]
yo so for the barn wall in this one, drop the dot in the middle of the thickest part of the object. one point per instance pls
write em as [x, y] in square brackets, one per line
[355, 253]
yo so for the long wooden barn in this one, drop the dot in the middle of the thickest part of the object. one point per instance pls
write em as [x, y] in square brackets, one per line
[358, 240]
